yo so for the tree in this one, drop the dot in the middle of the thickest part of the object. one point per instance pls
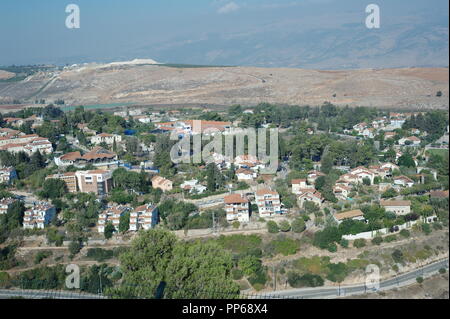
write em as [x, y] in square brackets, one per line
[298, 225]
[53, 189]
[124, 223]
[191, 270]
[285, 226]
[406, 160]
[272, 227]
[109, 230]
[250, 265]
[359, 243]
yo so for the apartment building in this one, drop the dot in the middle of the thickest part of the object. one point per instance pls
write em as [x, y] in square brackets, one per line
[5, 203]
[268, 202]
[111, 215]
[144, 217]
[38, 216]
[69, 178]
[98, 182]
[237, 208]
[108, 139]
[7, 175]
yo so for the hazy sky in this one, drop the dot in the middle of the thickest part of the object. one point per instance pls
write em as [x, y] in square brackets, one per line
[207, 31]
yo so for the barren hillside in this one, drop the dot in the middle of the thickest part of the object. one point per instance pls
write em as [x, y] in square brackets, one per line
[152, 84]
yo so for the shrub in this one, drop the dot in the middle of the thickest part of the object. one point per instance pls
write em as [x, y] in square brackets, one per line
[442, 271]
[237, 274]
[397, 256]
[40, 256]
[99, 254]
[236, 225]
[390, 238]
[272, 227]
[359, 243]
[74, 247]
[405, 233]
[295, 280]
[332, 248]
[344, 243]
[419, 280]
[298, 225]
[377, 241]
[285, 226]
[283, 246]
[426, 229]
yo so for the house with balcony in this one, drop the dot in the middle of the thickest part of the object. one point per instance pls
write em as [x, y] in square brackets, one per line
[237, 208]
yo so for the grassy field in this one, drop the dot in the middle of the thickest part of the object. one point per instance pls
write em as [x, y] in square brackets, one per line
[441, 152]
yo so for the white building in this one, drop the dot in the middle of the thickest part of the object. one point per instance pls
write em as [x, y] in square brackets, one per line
[268, 202]
[38, 216]
[144, 217]
[7, 175]
[352, 215]
[5, 203]
[111, 215]
[193, 187]
[237, 208]
[108, 139]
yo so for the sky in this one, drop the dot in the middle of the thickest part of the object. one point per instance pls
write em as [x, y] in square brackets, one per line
[282, 33]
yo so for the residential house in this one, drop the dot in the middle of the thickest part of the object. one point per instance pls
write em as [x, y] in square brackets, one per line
[144, 217]
[298, 185]
[162, 183]
[310, 196]
[403, 181]
[341, 192]
[193, 187]
[356, 214]
[268, 202]
[246, 175]
[398, 207]
[237, 208]
[412, 140]
[313, 176]
[38, 216]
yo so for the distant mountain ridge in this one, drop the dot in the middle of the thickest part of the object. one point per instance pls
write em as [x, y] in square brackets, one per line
[409, 88]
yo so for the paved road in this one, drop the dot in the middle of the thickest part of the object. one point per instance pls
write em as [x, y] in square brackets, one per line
[306, 293]
[343, 291]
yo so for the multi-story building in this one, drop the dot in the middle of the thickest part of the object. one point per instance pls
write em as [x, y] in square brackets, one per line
[14, 142]
[144, 217]
[7, 175]
[111, 215]
[69, 178]
[108, 139]
[98, 182]
[237, 208]
[5, 203]
[38, 216]
[98, 157]
[268, 202]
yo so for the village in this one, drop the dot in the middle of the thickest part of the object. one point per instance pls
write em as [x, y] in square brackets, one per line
[84, 177]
